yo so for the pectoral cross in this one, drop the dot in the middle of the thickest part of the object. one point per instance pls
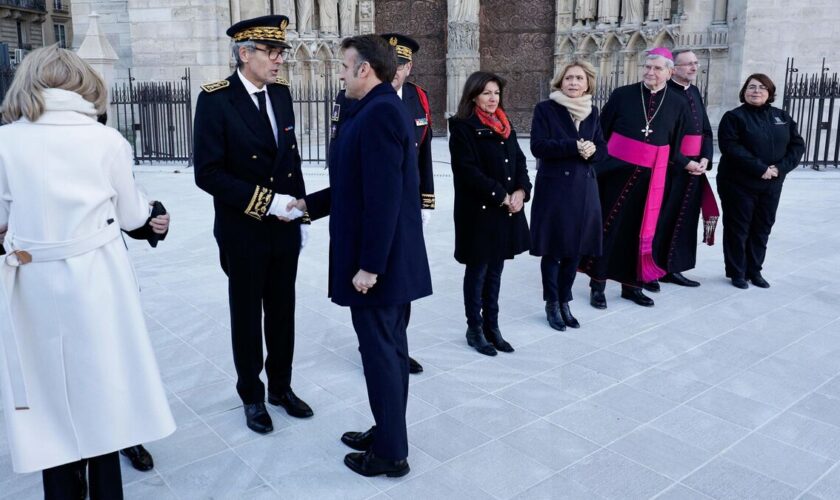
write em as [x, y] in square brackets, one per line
[647, 130]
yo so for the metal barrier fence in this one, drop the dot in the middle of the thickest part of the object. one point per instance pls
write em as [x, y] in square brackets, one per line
[313, 106]
[813, 99]
[155, 118]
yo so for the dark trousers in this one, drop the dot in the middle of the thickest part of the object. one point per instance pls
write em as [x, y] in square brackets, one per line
[481, 293]
[64, 482]
[748, 216]
[558, 276]
[384, 350]
[600, 286]
[261, 291]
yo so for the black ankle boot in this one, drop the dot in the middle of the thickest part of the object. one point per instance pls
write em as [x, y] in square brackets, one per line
[566, 313]
[552, 314]
[494, 336]
[475, 338]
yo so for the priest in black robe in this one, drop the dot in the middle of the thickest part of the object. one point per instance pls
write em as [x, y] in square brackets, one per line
[689, 191]
[644, 124]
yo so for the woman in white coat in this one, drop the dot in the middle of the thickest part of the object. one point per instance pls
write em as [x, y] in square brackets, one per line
[78, 376]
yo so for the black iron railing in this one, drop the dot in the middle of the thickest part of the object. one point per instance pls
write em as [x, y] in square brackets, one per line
[813, 100]
[156, 118]
[313, 106]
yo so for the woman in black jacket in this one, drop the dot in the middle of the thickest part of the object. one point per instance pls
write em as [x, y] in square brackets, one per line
[759, 144]
[566, 139]
[491, 188]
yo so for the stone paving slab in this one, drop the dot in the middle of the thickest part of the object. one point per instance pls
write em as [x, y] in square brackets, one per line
[714, 393]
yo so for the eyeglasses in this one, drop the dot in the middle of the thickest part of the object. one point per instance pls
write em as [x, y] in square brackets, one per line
[692, 64]
[756, 87]
[274, 52]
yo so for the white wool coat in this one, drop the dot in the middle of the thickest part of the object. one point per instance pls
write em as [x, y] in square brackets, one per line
[92, 382]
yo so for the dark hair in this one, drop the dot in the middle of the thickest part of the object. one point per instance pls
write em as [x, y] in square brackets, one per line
[764, 80]
[473, 87]
[376, 52]
[676, 53]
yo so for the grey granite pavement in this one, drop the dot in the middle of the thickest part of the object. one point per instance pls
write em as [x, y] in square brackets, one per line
[713, 393]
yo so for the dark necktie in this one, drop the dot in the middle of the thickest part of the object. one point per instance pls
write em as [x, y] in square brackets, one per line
[263, 111]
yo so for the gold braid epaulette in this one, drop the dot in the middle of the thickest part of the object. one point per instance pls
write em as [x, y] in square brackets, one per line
[427, 201]
[305, 218]
[282, 81]
[258, 206]
[214, 86]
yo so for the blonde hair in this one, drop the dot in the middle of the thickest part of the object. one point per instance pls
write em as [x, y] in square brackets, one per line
[588, 70]
[51, 67]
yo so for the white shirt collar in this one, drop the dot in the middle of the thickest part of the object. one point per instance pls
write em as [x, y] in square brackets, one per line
[685, 87]
[399, 92]
[249, 87]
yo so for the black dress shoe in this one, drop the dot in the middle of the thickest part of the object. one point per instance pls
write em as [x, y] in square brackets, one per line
[257, 419]
[476, 340]
[414, 366]
[759, 281]
[597, 299]
[494, 336]
[679, 279]
[359, 440]
[293, 405]
[139, 457]
[552, 314]
[652, 286]
[740, 283]
[369, 465]
[567, 316]
[636, 295]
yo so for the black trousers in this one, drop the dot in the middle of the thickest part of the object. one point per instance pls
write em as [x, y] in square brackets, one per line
[600, 286]
[261, 292]
[481, 293]
[558, 276]
[384, 350]
[748, 216]
[64, 482]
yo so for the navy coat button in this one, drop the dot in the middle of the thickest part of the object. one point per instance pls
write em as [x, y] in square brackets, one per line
[254, 157]
[290, 174]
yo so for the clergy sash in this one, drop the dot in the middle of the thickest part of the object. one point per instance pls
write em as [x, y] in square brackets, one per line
[690, 147]
[655, 158]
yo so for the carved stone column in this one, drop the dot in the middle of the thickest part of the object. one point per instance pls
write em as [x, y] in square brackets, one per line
[462, 59]
[367, 17]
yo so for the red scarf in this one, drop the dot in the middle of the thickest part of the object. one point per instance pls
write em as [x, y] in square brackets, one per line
[497, 121]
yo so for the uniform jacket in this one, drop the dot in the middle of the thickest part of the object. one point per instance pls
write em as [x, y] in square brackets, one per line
[566, 211]
[373, 205]
[238, 162]
[753, 138]
[485, 168]
[92, 382]
[422, 127]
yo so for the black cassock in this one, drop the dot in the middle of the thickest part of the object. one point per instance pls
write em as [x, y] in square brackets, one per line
[629, 208]
[676, 233]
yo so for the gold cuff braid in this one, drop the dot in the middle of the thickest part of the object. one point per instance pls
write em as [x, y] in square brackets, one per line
[427, 201]
[258, 206]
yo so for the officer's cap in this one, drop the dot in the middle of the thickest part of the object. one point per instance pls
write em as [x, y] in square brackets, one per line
[270, 30]
[403, 45]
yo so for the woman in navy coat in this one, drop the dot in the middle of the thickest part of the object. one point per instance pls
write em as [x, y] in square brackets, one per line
[491, 188]
[566, 139]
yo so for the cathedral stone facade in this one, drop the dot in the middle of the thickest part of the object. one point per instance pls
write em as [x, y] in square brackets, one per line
[525, 41]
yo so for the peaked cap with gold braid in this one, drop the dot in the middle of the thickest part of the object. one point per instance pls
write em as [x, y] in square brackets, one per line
[403, 45]
[270, 30]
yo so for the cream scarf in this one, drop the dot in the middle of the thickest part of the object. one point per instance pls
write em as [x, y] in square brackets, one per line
[64, 100]
[579, 107]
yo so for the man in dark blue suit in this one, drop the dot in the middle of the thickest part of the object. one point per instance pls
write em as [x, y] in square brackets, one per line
[378, 262]
[246, 156]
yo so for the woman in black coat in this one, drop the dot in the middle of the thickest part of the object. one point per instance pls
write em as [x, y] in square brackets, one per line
[491, 188]
[566, 139]
[759, 145]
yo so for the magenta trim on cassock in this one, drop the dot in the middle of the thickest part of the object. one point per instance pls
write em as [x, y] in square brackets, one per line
[655, 158]
[691, 145]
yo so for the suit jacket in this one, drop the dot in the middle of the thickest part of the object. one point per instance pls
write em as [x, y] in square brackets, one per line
[486, 167]
[239, 163]
[373, 205]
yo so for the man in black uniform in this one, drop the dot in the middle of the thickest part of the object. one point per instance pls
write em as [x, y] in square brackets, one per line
[246, 157]
[417, 104]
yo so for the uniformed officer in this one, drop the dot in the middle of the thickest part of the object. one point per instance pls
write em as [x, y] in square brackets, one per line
[246, 156]
[417, 103]
[378, 262]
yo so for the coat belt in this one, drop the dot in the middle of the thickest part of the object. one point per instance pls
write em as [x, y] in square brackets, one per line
[19, 252]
